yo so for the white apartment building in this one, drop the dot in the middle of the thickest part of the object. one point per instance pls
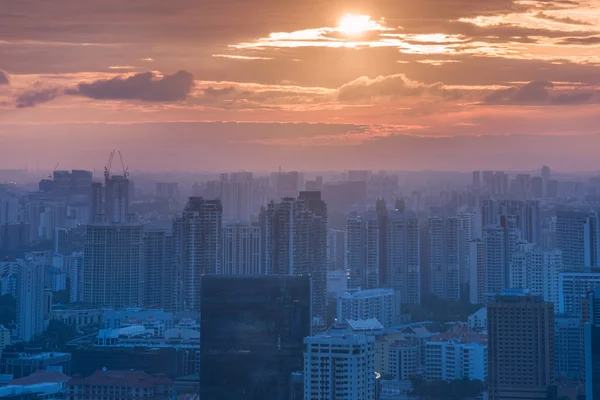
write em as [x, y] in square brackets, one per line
[572, 288]
[367, 304]
[396, 359]
[339, 366]
[448, 357]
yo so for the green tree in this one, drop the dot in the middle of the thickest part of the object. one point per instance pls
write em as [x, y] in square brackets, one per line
[57, 335]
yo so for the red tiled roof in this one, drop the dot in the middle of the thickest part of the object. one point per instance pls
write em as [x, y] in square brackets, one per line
[41, 376]
[137, 379]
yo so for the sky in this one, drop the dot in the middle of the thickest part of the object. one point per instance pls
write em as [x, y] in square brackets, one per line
[303, 84]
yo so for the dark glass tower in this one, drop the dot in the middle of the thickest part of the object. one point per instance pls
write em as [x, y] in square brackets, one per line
[251, 335]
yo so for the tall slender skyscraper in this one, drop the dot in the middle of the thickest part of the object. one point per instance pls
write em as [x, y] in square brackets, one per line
[117, 189]
[198, 235]
[404, 262]
[295, 243]
[382, 216]
[252, 332]
[30, 298]
[113, 264]
[159, 269]
[363, 250]
[444, 251]
[520, 346]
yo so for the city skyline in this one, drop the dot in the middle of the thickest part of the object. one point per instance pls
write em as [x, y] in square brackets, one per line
[449, 84]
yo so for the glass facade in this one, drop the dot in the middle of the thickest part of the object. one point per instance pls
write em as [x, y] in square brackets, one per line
[252, 331]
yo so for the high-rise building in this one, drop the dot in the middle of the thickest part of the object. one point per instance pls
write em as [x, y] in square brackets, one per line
[251, 335]
[477, 271]
[97, 201]
[476, 180]
[382, 222]
[444, 257]
[520, 346]
[295, 243]
[336, 250]
[339, 365]
[30, 298]
[568, 343]
[118, 196]
[592, 347]
[113, 264]
[367, 304]
[363, 246]
[500, 243]
[573, 287]
[62, 241]
[198, 235]
[159, 269]
[241, 248]
[578, 236]
[404, 261]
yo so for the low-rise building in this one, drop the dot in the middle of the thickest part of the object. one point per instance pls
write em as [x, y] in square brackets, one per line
[366, 304]
[20, 365]
[478, 320]
[108, 385]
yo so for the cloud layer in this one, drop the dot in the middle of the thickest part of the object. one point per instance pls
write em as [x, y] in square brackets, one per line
[143, 86]
[4, 80]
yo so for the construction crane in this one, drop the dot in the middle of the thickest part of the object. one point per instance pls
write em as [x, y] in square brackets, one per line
[108, 166]
[125, 169]
[56, 166]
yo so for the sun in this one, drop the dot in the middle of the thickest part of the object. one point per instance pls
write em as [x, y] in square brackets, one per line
[352, 24]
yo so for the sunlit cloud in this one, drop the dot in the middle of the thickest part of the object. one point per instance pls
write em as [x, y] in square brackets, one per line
[122, 67]
[437, 63]
[238, 57]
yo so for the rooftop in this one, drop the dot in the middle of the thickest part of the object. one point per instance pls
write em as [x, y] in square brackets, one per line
[364, 324]
[137, 379]
[40, 376]
[365, 294]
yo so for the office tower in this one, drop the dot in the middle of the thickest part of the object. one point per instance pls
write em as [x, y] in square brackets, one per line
[477, 270]
[241, 248]
[476, 181]
[113, 264]
[382, 219]
[500, 243]
[198, 235]
[578, 238]
[251, 335]
[339, 366]
[592, 347]
[336, 250]
[520, 346]
[404, 262]
[367, 304]
[295, 243]
[568, 343]
[444, 255]
[30, 298]
[159, 269]
[363, 246]
[97, 201]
